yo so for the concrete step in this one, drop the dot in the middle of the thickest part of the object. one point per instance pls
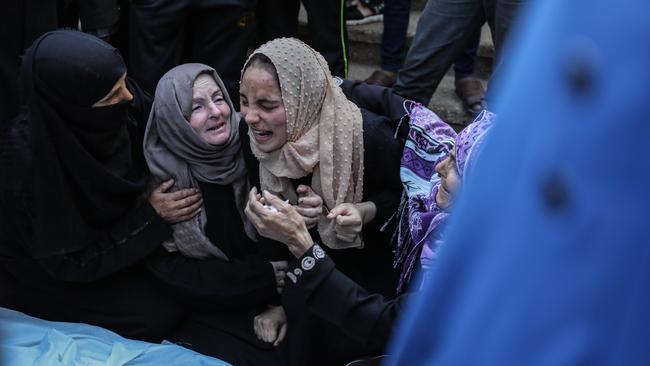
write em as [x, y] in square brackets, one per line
[444, 102]
[365, 44]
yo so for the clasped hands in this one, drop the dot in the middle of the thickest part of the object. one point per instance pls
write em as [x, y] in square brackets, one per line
[183, 204]
[287, 225]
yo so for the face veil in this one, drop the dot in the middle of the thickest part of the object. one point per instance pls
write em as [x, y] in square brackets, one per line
[85, 173]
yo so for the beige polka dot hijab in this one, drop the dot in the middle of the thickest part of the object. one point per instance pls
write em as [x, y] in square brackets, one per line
[324, 134]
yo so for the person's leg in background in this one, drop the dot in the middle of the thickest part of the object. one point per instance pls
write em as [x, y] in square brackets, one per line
[327, 33]
[276, 18]
[157, 39]
[444, 29]
[393, 42]
[20, 24]
[219, 36]
[503, 18]
[469, 88]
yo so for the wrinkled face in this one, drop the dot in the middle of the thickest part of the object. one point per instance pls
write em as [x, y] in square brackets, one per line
[118, 94]
[210, 117]
[263, 109]
[449, 180]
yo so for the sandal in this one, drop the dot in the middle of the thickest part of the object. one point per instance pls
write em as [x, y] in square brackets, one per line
[470, 91]
[373, 12]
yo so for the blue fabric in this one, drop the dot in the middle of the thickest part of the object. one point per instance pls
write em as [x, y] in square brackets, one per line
[25, 340]
[547, 259]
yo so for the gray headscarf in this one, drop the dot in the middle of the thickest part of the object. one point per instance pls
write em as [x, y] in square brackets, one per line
[174, 150]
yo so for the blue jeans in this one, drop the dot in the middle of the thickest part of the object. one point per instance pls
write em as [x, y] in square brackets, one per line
[444, 29]
[464, 64]
[393, 40]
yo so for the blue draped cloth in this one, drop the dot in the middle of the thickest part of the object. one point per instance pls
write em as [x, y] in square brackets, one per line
[547, 255]
[25, 340]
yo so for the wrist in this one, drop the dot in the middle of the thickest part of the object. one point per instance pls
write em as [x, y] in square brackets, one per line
[368, 211]
[301, 243]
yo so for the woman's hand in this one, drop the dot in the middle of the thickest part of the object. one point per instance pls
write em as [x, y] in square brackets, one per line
[271, 325]
[310, 205]
[350, 219]
[280, 270]
[177, 206]
[284, 224]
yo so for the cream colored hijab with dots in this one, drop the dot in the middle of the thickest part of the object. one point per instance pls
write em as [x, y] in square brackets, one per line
[324, 134]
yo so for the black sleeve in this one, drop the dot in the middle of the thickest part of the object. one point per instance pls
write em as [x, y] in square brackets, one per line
[129, 240]
[367, 318]
[226, 284]
[125, 242]
[380, 101]
[382, 158]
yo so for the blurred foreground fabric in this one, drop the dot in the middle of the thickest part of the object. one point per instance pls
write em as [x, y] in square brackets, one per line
[548, 254]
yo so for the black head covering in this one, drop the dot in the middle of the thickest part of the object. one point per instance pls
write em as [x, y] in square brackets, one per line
[85, 174]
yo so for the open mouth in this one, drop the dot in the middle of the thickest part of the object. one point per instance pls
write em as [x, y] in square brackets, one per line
[443, 190]
[217, 128]
[261, 135]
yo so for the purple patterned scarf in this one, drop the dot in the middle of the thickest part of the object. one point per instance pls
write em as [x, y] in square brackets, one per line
[430, 141]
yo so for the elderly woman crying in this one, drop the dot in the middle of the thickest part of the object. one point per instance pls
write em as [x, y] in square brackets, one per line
[213, 263]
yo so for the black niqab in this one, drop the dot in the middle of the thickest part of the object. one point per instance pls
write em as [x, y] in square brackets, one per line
[86, 175]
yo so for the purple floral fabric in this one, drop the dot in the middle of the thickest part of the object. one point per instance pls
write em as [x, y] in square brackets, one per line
[430, 141]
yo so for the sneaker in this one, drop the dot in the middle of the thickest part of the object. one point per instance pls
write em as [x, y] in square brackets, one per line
[355, 16]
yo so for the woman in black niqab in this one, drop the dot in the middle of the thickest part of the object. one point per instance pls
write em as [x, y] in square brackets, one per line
[87, 175]
[74, 226]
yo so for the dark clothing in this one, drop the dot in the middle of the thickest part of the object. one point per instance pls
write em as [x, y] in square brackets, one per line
[25, 20]
[333, 336]
[72, 225]
[246, 280]
[220, 298]
[326, 30]
[347, 321]
[97, 17]
[88, 167]
[310, 339]
[166, 33]
[96, 284]
[382, 110]
[20, 24]
[464, 64]
[381, 101]
[444, 30]
[372, 266]
[393, 38]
